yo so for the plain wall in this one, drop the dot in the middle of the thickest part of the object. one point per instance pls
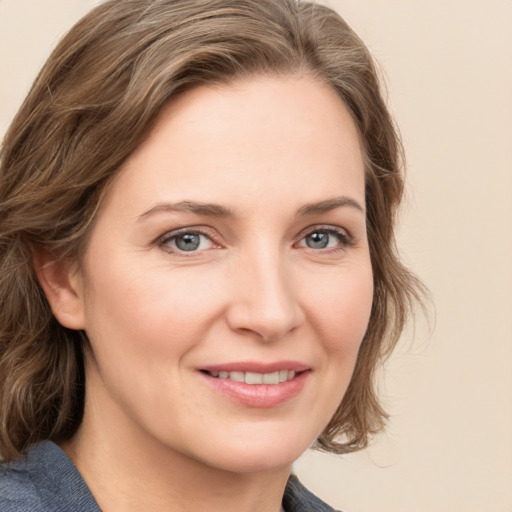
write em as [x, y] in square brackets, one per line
[448, 64]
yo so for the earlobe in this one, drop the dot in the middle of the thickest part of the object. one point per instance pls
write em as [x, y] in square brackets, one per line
[62, 286]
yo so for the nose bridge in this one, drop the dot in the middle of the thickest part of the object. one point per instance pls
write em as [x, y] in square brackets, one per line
[266, 301]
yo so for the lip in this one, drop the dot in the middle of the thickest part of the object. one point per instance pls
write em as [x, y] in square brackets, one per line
[257, 395]
[257, 367]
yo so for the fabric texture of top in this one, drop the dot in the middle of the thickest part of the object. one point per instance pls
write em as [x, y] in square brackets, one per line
[46, 480]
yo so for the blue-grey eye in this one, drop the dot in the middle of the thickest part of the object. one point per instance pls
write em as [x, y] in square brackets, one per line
[318, 240]
[325, 239]
[188, 241]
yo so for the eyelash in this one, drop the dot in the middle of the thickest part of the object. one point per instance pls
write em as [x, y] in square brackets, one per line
[174, 235]
[345, 239]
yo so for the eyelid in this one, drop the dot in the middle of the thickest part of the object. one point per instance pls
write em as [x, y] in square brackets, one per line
[347, 240]
[209, 233]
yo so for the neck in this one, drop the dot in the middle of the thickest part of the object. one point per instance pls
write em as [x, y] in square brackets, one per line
[144, 475]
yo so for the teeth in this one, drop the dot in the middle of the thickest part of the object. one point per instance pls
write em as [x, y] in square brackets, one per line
[256, 378]
[253, 378]
[271, 378]
[238, 376]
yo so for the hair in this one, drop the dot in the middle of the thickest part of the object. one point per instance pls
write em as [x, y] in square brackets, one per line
[94, 101]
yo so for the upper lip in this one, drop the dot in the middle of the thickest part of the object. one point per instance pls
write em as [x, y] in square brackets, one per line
[257, 367]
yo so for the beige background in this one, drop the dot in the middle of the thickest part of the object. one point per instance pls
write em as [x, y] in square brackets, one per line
[448, 64]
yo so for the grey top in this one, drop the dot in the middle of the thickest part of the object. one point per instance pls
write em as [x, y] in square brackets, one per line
[46, 480]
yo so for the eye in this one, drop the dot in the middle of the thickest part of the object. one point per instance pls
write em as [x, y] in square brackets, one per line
[186, 240]
[326, 238]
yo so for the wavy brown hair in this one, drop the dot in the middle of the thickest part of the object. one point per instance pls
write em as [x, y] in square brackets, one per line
[94, 101]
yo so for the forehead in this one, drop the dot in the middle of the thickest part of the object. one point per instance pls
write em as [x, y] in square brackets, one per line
[289, 133]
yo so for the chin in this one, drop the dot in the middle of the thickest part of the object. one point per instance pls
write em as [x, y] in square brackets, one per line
[256, 453]
[266, 460]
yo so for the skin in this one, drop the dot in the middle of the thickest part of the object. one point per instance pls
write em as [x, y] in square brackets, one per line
[155, 435]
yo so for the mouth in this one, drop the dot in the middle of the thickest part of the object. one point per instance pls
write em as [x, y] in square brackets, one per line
[254, 378]
[258, 385]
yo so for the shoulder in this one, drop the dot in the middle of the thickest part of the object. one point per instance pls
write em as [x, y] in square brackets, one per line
[298, 499]
[45, 480]
[17, 491]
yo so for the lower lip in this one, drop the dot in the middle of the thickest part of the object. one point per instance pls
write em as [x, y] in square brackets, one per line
[258, 395]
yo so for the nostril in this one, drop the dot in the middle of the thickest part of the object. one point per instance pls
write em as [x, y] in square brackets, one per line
[264, 301]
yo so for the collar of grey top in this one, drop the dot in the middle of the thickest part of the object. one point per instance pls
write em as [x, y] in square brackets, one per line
[46, 480]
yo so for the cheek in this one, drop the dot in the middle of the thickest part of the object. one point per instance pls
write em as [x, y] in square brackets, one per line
[156, 312]
[339, 316]
[140, 329]
[342, 309]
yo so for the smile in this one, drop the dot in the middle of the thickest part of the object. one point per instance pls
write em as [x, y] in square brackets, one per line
[257, 385]
[255, 378]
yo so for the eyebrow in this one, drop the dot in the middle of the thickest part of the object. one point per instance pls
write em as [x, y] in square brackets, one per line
[328, 205]
[217, 210]
[204, 209]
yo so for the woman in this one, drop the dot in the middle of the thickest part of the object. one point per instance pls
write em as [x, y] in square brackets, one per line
[198, 274]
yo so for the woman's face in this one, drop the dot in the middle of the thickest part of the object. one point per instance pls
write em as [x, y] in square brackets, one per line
[231, 247]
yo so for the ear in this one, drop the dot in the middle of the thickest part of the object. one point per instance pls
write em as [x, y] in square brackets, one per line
[62, 285]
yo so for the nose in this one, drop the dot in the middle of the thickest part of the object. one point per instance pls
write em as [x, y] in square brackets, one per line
[264, 300]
